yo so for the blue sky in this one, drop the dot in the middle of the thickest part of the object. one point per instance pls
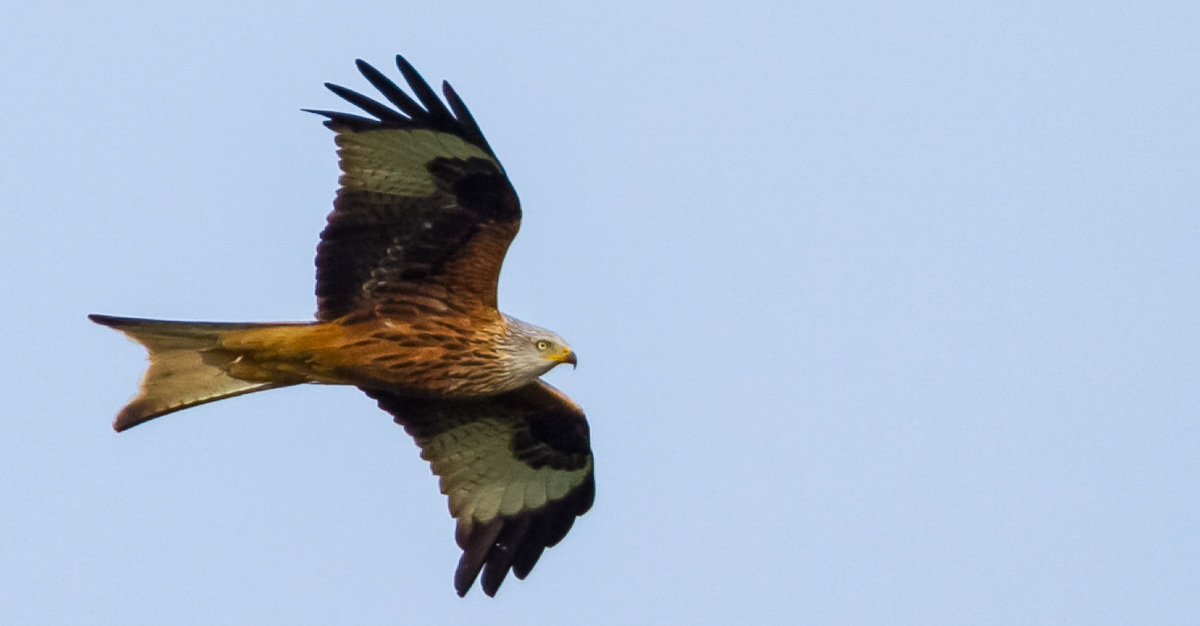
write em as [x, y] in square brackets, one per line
[886, 312]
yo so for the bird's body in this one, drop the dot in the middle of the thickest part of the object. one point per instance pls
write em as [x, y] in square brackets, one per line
[445, 356]
[407, 270]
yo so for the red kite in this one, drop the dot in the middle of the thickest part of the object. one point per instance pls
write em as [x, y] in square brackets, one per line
[407, 269]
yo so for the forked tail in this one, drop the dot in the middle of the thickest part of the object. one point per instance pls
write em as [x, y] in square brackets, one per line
[188, 366]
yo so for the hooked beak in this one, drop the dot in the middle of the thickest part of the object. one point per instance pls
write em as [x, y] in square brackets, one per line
[568, 357]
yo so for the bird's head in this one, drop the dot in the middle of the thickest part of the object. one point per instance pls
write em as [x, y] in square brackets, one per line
[536, 350]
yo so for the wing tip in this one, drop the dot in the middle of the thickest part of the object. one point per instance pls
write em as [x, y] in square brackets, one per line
[426, 111]
[516, 543]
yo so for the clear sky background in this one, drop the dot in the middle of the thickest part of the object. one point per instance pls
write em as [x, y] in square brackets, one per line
[887, 313]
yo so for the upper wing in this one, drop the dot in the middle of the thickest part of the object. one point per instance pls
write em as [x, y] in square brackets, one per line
[424, 206]
[517, 468]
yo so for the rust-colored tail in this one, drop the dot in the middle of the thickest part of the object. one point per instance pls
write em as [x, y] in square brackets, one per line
[188, 366]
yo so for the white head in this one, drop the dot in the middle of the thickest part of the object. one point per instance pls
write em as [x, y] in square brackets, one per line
[532, 351]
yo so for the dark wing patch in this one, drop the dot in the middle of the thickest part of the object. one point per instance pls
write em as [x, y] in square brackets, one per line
[517, 468]
[423, 201]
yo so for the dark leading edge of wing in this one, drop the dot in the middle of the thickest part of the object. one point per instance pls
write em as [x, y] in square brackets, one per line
[430, 113]
[514, 444]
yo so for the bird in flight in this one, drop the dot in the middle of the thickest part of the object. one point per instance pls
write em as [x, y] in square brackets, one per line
[407, 268]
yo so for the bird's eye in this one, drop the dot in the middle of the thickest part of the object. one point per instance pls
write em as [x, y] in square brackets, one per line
[543, 344]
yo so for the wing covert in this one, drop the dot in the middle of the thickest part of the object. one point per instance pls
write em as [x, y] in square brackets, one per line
[517, 469]
[423, 204]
